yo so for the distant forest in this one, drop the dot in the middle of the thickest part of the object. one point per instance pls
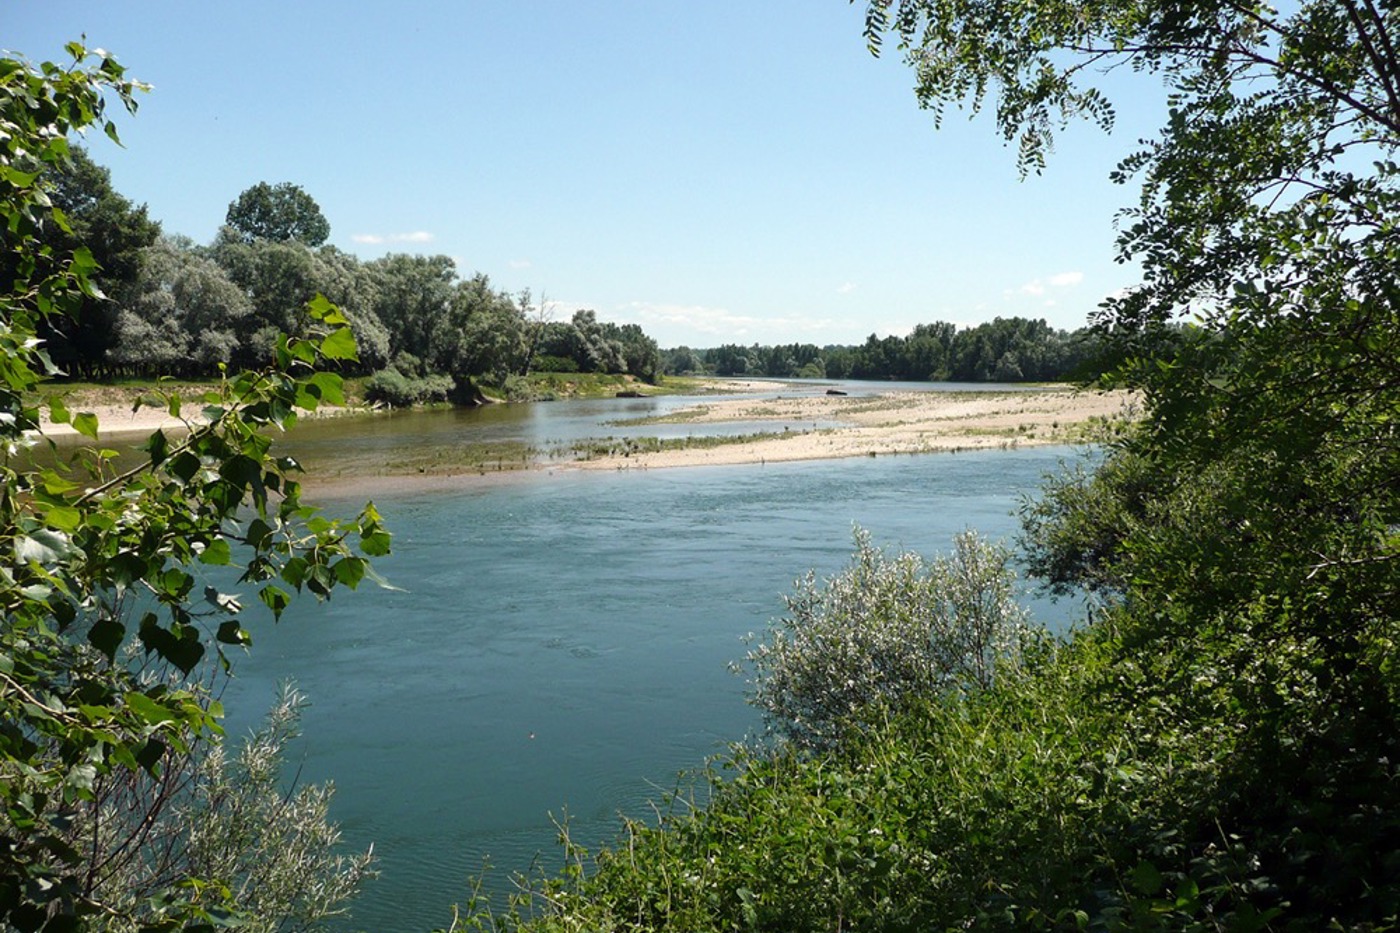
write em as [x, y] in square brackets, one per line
[172, 307]
[1004, 350]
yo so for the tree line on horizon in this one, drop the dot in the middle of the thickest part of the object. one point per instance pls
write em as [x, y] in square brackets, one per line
[169, 306]
[1012, 349]
[174, 307]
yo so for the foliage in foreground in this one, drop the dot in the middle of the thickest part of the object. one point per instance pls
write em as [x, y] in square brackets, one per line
[110, 580]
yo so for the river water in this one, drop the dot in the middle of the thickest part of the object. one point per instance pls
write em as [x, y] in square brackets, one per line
[558, 643]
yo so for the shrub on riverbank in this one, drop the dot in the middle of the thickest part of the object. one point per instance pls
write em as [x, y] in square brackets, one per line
[391, 387]
[885, 632]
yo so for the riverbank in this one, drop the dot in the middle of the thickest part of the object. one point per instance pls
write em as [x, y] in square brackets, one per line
[112, 404]
[787, 423]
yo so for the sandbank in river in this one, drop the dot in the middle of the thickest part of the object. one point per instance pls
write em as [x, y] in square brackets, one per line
[794, 428]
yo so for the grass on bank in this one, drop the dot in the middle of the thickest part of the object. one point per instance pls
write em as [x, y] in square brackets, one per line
[600, 448]
[544, 387]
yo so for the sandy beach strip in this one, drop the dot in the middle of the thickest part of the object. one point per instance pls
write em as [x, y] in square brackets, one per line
[121, 424]
[889, 423]
[121, 421]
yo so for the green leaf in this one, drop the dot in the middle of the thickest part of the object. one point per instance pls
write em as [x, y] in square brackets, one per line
[63, 517]
[179, 645]
[1146, 878]
[276, 599]
[148, 709]
[231, 633]
[44, 546]
[339, 344]
[216, 553]
[85, 423]
[242, 471]
[127, 567]
[294, 571]
[349, 571]
[329, 387]
[106, 636]
[186, 651]
[183, 465]
[157, 446]
[259, 532]
[375, 543]
[150, 754]
[17, 178]
[174, 582]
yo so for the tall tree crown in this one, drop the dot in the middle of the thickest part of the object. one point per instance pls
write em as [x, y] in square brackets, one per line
[278, 212]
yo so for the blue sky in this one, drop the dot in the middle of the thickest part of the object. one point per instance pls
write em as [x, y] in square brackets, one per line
[714, 171]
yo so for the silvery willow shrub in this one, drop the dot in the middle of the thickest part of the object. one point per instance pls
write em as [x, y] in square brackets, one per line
[227, 814]
[883, 631]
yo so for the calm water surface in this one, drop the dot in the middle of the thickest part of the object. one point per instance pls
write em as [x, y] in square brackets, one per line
[559, 644]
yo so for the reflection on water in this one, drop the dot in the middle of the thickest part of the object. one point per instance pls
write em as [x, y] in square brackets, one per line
[559, 643]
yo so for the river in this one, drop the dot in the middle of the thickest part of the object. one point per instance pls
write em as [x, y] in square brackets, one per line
[558, 643]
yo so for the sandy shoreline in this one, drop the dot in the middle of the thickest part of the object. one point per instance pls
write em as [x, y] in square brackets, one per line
[890, 423]
[783, 429]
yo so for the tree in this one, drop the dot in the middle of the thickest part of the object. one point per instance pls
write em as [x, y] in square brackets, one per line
[279, 278]
[225, 813]
[105, 572]
[640, 355]
[594, 345]
[1247, 527]
[414, 297]
[184, 316]
[484, 335]
[115, 232]
[1264, 214]
[350, 285]
[683, 361]
[281, 213]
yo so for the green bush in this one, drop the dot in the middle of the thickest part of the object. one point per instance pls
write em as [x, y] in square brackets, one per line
[555, 364]
[393, 388]
[884, 631]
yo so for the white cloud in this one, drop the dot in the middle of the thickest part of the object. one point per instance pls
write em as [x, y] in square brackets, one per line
[375, 239]
[674, 324]
[1037, 287]
[846, 288]
[519, 263]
